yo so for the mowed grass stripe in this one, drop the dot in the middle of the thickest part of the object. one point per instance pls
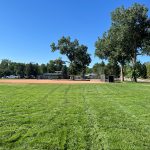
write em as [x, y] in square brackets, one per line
[25, 100]
[30, 114]
[96, 136]
[124, 118]
[105, 116]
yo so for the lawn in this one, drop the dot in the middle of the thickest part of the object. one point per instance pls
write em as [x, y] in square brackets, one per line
[75, 117]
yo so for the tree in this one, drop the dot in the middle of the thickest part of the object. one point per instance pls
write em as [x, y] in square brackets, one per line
[141, 71]
[83, 59]
[51, 66]
[5, 68]
[148, 69]
[64, 71]
[112, 68]
[89, 70]
[111, 47]
[55, 65]
[127, 37]
[19, 69]
[99, 68]
[59, 64]
[36, 70]
[32, 70]
[43, 68]
[77, 54]
[8, 67]
[133, 24]
[73, 70]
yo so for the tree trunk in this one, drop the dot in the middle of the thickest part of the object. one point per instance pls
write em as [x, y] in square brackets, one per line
[83, 74]
[134, 55]
[121, 72]
[72, 72]
[72, 77]
[134, 77]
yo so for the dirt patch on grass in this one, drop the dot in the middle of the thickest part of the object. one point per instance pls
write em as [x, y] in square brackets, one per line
[30, 81]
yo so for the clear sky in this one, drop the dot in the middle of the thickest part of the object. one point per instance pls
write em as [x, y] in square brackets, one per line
[27, 27]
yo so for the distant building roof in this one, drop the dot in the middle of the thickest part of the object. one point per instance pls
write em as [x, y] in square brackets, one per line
[57, 73]
[91, 74]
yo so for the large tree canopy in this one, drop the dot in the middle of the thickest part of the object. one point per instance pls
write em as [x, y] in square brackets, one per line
[76, 53]
[111, 47]
[128, 36]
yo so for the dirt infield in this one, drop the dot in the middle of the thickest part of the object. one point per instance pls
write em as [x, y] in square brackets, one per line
[30, 81]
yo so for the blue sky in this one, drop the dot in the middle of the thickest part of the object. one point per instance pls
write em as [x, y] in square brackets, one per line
[28, 27]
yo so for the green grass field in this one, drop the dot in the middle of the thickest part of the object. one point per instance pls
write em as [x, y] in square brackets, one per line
[75, 117]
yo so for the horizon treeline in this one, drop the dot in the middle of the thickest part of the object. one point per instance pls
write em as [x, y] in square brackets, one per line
[32, 70]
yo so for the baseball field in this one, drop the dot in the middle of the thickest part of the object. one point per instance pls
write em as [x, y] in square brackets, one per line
[74, 116]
